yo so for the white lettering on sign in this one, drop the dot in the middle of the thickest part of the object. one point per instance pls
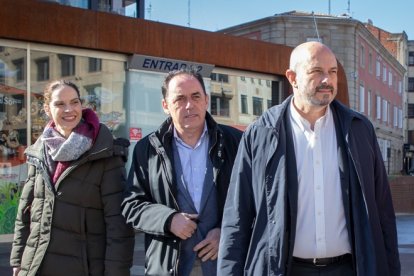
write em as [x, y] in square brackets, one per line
[9, 101]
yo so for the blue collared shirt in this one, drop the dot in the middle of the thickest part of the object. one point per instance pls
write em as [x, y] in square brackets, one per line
[194, 164]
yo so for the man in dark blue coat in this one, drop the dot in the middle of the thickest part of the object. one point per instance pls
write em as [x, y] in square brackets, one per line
[309, 193]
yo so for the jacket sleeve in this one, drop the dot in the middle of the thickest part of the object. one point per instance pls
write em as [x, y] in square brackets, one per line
[238, 216]
[22, 224]
[386, 214]
[140, 207]
[119, 235]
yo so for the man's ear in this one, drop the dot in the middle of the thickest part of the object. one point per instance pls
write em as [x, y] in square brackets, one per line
[291, 76]
[165, 106]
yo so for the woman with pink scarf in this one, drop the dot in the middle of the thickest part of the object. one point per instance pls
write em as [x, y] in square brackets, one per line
[69, 220]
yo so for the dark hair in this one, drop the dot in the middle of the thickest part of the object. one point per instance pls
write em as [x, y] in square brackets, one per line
[187, 71]
[52, 86]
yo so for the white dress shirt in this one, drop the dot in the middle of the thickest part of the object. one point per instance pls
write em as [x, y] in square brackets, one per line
[194, 164]
[321, 226]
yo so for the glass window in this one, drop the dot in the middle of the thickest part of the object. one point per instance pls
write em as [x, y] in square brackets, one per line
[378, 107]
[384, 74]
[13, 133]
[67, 65]
[369, 103]
[122, 7]
[103, 92]
[410, 58]
[384, 111]
[361, 98]
[19, 69]
[410, 110]
[410, 84]
[219, 77]
[94, 64]
[244, 108]
[370, 62]
[362, 56]
[390, 77]
[395, 116]
[257, 106]
[220, 106]
[42, 65]
[145, 109]
[378, 69]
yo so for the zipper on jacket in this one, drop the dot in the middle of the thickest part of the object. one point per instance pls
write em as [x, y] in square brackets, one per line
[40, 165]
[161, 153]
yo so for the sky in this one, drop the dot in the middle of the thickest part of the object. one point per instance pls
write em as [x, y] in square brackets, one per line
[394, 16]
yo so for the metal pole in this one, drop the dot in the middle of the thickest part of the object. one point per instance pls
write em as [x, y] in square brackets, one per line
[329, 7]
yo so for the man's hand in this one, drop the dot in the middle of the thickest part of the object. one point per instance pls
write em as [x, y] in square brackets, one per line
[16, 271]
[183, 225]
[208, 248]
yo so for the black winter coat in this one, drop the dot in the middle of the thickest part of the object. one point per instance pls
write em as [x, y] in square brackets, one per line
[74, 227]
[151, 196]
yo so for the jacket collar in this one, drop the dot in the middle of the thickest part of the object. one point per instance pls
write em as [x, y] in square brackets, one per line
[272, 117]
[166, 131]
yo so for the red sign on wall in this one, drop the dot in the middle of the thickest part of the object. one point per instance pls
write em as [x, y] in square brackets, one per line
[135, 133]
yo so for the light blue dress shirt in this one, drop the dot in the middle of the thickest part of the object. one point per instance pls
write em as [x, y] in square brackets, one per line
[194, 164]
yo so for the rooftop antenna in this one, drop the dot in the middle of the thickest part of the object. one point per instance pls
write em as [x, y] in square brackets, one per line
[316, 26]
[149, 10]
[349, 7]
[189, 13]
[329, 7]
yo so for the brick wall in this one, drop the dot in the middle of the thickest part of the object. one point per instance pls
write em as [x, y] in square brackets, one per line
[402, 190]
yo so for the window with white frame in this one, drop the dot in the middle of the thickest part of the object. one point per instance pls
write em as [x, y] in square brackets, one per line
[389, 78]
[361, 98]
[362, 56]
[400, 87]
[384, 111]
[369, 103]
[384, 74]
[410, 58]
[395, 117]
[378, 107]
[400, 118]
[244, 106]
[370, 62]
[378, 69]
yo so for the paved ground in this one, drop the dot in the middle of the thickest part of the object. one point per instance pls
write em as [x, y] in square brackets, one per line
[405, 225]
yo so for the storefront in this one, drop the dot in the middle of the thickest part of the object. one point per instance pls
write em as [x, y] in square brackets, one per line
[124, 90]
[119, 64]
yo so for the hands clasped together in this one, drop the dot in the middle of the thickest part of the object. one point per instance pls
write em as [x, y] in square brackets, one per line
[184, 225]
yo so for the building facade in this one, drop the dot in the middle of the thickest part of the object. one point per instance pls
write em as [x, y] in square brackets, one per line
[119, 64]
[375, 77]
